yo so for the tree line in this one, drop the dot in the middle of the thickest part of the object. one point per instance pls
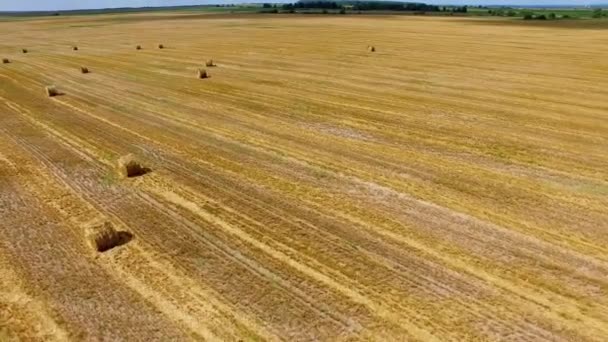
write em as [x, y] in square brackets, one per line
[367, 6]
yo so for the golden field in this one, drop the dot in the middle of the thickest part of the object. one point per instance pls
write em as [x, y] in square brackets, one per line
[451, 186]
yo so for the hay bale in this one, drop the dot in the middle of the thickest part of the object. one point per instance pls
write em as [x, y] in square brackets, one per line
[102, 236]
[371, 48]
[161, 46]
[84, 70]
[138, 47]
[51, 91]
[209, 63]
[129, 167]
[75, 48]
[5, 61]
[201, 73]
[24, 50]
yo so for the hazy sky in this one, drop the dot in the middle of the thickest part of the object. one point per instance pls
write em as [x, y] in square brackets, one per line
[44, 5]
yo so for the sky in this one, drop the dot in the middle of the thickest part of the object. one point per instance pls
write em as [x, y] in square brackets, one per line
[46, 5]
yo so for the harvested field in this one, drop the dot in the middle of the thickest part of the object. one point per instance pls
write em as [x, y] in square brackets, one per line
[451, 186]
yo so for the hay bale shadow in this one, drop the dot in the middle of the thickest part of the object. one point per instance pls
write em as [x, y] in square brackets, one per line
[101, 236]
[129, 167]
[202, 74]
[124, 237]
[52, 91]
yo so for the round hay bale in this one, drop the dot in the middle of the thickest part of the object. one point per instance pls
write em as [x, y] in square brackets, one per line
[24, 50]
[161, 46]
[5, 61]
[128, 167]
[84, 70]
[51, 91]
[138, 47]
[75, 48]
[209, 63]
[202, 73]
[371, 48]
[102, 236]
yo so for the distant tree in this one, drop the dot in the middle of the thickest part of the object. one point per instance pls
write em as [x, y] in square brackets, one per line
[369, 5]
[528, 15]
[541, 17]
[324, 11]
[342, 10]
[266, 5]
[462, 9]
[552, 16]
[597, 13]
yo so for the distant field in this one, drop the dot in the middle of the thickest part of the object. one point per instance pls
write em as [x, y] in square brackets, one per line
[137, 10]
[450, 186]
[559, 12]
[508, 12]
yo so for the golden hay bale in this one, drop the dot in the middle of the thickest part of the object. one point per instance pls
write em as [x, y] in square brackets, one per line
[161, 46]
[102, 236]
[209, 63]
[201, 73]
[51, 91]
[128, 167]
[84, 70]
[371, 48]
[138, 47]
[75, 48]
[5, 61]
[24, 50]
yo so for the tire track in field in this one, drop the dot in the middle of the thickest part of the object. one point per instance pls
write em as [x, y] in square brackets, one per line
[340, 279]
[65, 203]
[63, 276]
[79, 189]
[86, 189]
